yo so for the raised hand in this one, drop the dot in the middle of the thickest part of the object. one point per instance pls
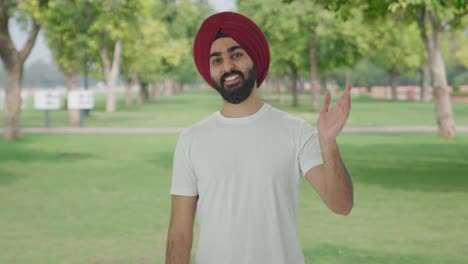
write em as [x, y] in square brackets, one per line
[331, 122]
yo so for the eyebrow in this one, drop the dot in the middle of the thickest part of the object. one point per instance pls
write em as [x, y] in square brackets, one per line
[231, 49]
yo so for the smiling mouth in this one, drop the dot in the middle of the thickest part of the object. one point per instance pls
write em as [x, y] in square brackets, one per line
[232, 79]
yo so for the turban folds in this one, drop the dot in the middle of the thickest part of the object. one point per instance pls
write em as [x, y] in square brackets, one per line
[238, 27]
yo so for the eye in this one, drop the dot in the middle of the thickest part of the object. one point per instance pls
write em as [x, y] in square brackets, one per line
[216, 61]
[237, 55]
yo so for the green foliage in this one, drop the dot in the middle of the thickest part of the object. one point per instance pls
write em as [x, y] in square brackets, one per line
[160, 46]
[288, 44]
[291, 28]
[182, 18]
[341, 43]
[76, 27]
[365, 73]
[67, 27]
[447, 12]
[395, 46]
[456, 46]
[33, 9]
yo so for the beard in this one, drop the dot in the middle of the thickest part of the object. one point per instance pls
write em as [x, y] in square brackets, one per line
[236, 93]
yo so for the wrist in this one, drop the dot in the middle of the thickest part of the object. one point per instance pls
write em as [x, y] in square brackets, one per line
[327, 141]
[328, 145]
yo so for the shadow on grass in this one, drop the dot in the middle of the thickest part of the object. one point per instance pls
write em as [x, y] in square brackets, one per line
[420, 167]
[333, 254]
[19, 153]
[8, 177]
[24, 154]
[162, 159]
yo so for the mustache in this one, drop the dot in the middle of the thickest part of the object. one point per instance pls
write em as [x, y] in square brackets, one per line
[224, 76]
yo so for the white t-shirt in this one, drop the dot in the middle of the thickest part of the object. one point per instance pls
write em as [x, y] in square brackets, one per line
[246, 172]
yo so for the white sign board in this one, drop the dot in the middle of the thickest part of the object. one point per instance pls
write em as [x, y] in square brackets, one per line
[24, 99]
[47, 100]
[80, 99]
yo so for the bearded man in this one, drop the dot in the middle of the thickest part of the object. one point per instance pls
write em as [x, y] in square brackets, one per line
[240, 168]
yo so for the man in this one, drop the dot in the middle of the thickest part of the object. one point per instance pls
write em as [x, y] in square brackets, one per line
[240, 168]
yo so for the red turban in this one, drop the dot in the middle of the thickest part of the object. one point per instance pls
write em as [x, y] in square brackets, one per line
[238, 27]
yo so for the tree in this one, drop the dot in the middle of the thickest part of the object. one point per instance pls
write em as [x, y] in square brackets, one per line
[434, 18]
[287, 43]
[395, 48]
[66, 31]
[146, 46]
[305, 37]
[441, 16]
[182, 19]
[110, 22]
[31, 12]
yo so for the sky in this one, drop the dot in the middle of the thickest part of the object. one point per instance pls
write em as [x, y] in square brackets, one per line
[41, 52]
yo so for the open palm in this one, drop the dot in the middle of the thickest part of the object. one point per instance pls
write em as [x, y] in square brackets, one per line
[331, 122]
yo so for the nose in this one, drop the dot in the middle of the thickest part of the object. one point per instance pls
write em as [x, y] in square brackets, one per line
[228, 66]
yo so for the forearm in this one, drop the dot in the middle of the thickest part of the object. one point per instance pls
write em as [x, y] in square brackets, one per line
[338, 183]
[178, 249]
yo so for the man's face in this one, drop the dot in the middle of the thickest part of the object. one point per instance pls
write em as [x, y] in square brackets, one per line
[232, 71]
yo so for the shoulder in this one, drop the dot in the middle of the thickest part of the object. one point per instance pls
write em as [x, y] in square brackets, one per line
[298, 129]
[287, 119]
[196, 130]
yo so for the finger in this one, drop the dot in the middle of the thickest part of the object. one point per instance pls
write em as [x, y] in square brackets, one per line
[348, 87]
[326, 102]
[348, 93]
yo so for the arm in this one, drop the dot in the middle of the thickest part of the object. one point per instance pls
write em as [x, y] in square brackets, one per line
[331, 180]
[180, 234]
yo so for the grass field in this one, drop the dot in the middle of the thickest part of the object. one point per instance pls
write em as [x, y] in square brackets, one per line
[105, 199]
[187, 108]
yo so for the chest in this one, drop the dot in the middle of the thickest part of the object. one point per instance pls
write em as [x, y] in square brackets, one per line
[244, 159]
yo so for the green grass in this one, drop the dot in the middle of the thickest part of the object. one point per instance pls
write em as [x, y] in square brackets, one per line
[105, 199]
[189, 107]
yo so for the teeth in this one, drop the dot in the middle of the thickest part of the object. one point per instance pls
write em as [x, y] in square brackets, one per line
[230, 78]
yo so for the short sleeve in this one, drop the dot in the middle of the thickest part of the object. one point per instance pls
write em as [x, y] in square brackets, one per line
[184, 181]
[310, 154]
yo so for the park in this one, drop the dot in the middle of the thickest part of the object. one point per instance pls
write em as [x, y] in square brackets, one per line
[91, 184]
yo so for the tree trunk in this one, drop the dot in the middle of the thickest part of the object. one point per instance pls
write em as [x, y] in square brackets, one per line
[156, 92]
[293, 83]
[13, 61]
[314, 83]
[425, 81]
[178, 87]
[394, 83]
[144, 93]
[269, 90]
[323, 85]
[12, 110]
[72, 84]
[276, 87]
[441, 98]
[168, 87]
[111, 72]
[282, 90]
[129, 90]
[426, 69]
[443, 105]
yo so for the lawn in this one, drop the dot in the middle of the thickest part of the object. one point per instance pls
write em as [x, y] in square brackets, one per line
[186, 108]
[105, 199]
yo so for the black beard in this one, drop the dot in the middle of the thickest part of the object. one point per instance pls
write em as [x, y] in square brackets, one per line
[238, 92]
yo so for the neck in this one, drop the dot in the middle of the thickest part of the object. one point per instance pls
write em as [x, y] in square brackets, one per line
[247, 107]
